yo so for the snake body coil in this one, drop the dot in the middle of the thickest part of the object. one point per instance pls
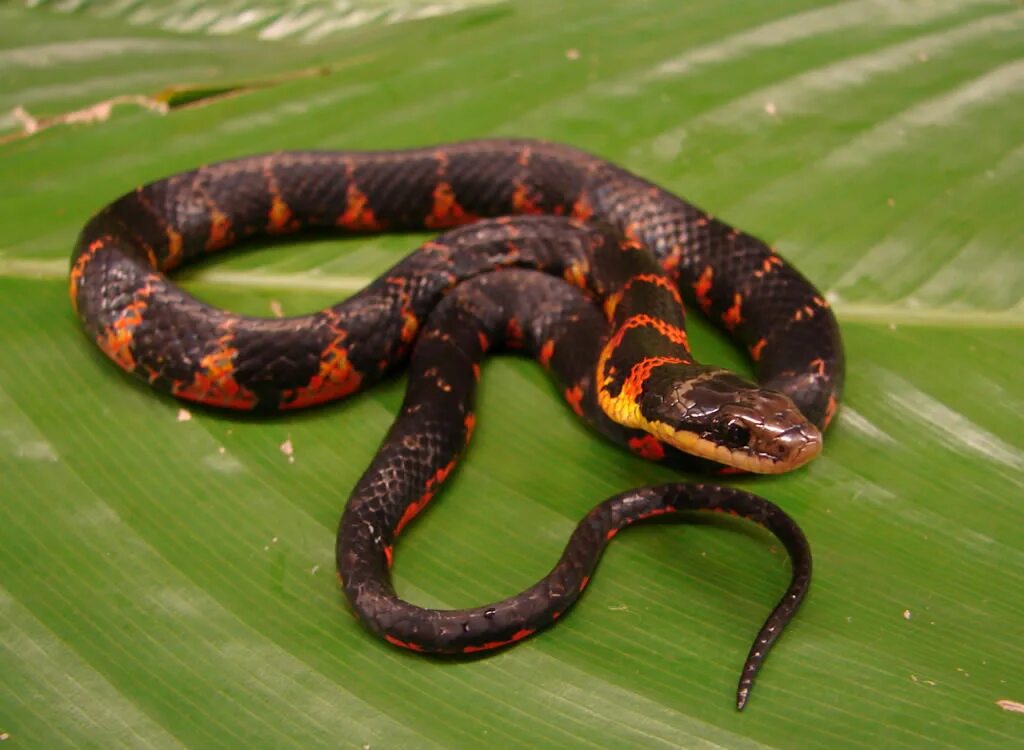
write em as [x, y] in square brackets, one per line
[628, 244]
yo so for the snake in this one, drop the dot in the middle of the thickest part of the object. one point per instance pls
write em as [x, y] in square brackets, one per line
[544, 248]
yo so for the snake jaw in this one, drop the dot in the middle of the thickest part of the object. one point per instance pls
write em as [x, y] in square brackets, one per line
[721, 417]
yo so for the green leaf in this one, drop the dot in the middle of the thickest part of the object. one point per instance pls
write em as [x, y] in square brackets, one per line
[170, 583]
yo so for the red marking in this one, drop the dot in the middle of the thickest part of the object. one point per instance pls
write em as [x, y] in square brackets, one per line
[403, 644]
[470, 423]
[819, 366]
[641, 371]
[416, 506]
[546, 352]
[655, 513]
[656, 280]
[220, 230]
[648, 447]
[734, 315]
[670, 263]
[336, 378]
[523, 202]
[215, 383]
[116, 341]
[611, 533]
[584, 582]
[517, 636]
[485, 344]
[446, 211]
[476, 372]
[702, 289]
[280, 219]
[389, 555]
[756, 349]
[556, 615]
[358, 216]
[410, 325]
[581, 209]
[513, 334]
[730, 470]
[574, 396]
[830, 410]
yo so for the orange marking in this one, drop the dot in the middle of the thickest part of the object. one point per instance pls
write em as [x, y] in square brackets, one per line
[769, 263]
[215, 383]
[403, 644]
[611, 533]
[576, 274]
[78, 269]
[336, 378]
[670, 263]
[574, 396]
[581, 209]
[116, 341]
[446, 211]
[280, 218]
[584, 582]
[820, 301]
[220, 230]
[648, 447]
[656, 280]
[517, 636]
[632, 237]
[470, 423]
[703, 221]
[830, 410]
[485, 344]
[389, 555]
[819, 366]
[174, 249]
[673, 333]
[525, 203]
[410, 325]
[734, 315]
[611, 302]
[702, 289]
[358, 216]
[756, 349]
[546, 352]
[476, 372]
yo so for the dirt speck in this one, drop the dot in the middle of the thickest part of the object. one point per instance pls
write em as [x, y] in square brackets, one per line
[1006, 705]
[184, 415]
[572, 54]
[289, 450]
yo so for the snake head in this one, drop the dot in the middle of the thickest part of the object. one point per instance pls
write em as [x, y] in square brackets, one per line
[714, 414]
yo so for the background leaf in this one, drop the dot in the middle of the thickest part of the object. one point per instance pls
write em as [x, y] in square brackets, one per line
[169, 583]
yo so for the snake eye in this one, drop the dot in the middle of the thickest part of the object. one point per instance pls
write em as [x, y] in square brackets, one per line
[737, 434]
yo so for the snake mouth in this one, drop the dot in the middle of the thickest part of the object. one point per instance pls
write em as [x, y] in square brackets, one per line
[787, 451]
